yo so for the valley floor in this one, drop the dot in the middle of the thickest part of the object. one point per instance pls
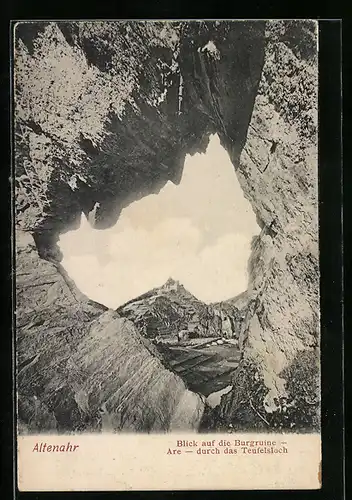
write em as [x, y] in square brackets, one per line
[204, 364]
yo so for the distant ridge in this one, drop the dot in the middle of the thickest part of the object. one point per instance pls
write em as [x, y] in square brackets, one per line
[167, 310]
[170, 285]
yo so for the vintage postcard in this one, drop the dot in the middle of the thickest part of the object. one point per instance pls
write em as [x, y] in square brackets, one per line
[167, 330]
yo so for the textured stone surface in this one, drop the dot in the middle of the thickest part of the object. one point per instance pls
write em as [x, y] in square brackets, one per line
[88, 133]
[105, 113]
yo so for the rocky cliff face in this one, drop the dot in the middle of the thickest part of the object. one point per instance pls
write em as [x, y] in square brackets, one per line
[105, 113]
[171, 310]
[278, 381]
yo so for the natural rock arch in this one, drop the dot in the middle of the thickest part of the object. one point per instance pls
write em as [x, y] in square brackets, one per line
[104, 108]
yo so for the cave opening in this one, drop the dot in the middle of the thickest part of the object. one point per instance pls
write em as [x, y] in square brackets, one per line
[175, 264]
[198, 233]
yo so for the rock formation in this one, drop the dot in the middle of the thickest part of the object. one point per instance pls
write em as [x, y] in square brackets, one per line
[105, 113]
[81, 367]
[170, 309]
[278, 172]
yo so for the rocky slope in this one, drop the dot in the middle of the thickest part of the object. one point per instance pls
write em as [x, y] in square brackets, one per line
[81, 367]
[170, 310]
[105, 113]
[233, 313]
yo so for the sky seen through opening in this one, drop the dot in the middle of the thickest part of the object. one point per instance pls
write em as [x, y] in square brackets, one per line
[198, 233]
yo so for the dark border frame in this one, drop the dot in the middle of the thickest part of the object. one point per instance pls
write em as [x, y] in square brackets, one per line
[331, 265]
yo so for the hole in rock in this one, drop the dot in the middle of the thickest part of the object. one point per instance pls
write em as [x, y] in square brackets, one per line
[198, 232]
[171, 262]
